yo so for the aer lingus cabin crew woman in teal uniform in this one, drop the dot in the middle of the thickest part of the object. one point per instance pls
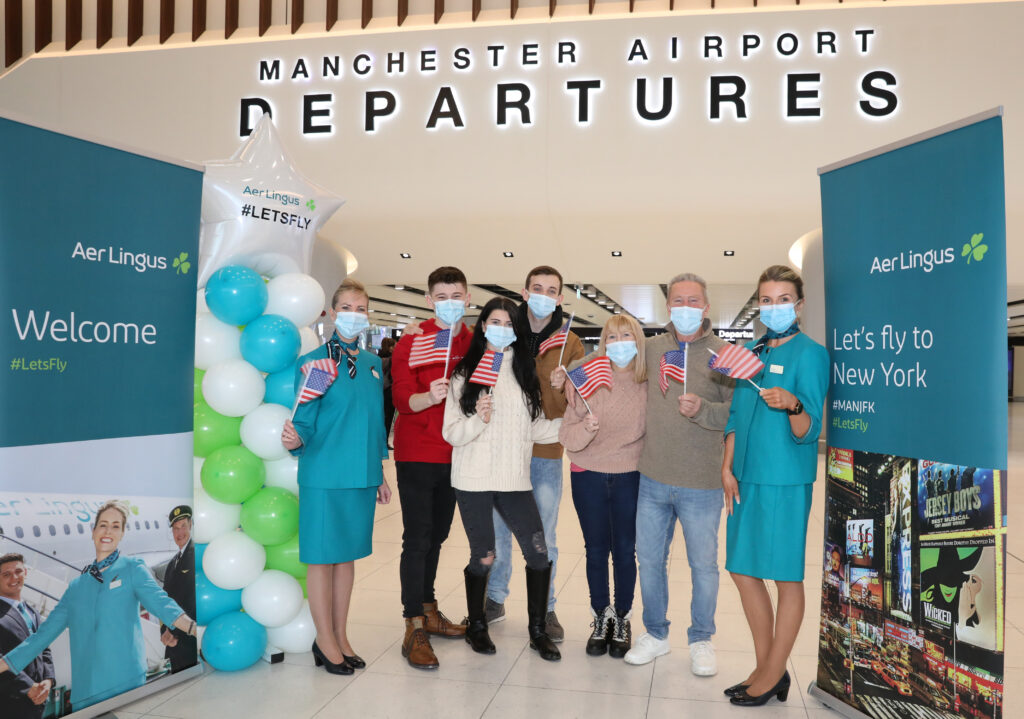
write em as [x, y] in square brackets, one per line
[768, 471]
[339, 440]
[100, 610]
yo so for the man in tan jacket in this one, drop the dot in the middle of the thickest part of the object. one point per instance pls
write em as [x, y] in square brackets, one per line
[542, 295]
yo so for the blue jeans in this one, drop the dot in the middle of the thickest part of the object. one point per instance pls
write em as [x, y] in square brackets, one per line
[546, 478]
[699, 512]
[606, 505]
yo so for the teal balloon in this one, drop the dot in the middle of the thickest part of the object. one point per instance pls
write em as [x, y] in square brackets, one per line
[285, 557]
[232, 475]
[234, 641]
[271, 516]
[211, 600]
[200, 551]
[281, 387]
[236, 295]
[270, 343]
[212, 430]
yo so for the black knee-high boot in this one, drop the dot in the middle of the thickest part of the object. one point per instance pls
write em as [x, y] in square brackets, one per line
[537, 583]
[476, 629]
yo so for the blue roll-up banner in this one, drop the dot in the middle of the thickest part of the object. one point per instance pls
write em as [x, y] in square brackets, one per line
[97, 304]
[914, 240]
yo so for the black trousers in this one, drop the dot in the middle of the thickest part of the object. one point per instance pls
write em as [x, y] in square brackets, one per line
[518, 509]
[428, 505]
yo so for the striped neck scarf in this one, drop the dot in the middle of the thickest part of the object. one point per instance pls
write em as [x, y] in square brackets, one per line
[96, 568]
[762, 344]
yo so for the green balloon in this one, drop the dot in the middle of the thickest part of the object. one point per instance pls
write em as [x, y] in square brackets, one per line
[271, 516]
[286, 557]
[212, 430]
[232, 474]
[305, 592]
[197, 385]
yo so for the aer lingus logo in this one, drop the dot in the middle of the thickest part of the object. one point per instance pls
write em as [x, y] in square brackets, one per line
[975, 249]
[181, 264]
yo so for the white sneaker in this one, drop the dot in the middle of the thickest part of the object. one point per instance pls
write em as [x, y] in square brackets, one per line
[702, 659]
[646, 649]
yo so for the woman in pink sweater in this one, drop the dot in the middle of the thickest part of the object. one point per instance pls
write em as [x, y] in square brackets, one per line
[604, 446]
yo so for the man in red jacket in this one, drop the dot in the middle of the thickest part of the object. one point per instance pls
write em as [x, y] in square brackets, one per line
[423, 459]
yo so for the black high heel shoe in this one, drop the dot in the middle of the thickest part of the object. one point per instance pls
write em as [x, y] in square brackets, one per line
[780, 690]
[355, 661]
[736, 689]
[320, 660]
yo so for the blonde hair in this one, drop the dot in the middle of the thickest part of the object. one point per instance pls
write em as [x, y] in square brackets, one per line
[782, 273]
[349, 285]
[113, 504]
[618, 324]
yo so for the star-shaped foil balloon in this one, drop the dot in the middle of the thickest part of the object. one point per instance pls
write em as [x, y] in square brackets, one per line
[259, 211]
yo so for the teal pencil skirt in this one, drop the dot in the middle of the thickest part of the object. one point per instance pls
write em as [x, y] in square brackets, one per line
[335, 525]
[767, 533]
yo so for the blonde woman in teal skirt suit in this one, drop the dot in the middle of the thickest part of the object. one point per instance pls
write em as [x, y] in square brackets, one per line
[339, 440]
[768, 471]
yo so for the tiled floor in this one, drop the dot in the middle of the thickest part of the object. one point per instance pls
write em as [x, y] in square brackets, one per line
[516, 682]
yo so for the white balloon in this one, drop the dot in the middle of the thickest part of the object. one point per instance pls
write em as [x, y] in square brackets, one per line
[283, 473]
[296, 296]
[274, 599]
[201, 302]
[229, 236]
[212, 518]
[309, 340]
[234, 561]
[261, 431]
[296, 636]
[234, 388]
[216, 341]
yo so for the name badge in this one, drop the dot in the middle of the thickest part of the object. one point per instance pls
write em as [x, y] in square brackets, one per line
[115, 584]
[776, 369]
[373, 371]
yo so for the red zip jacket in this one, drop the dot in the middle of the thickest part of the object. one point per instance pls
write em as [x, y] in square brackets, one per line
[418, 434]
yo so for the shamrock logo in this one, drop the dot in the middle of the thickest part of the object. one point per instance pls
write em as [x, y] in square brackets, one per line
[310, 205]
[974, 249]
[181, 264]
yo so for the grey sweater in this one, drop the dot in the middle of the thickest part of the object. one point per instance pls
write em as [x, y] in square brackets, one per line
[678, 450]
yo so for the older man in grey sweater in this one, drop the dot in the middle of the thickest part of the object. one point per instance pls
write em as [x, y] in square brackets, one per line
[680, 474]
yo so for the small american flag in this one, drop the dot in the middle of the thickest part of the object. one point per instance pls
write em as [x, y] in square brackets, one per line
[673, 364]
[557, 339]
[429, 349]
[736, 362]
[589, 377]
[320, 374]
[486, 373]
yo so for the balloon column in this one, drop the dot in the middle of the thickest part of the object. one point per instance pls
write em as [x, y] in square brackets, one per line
[249, 333]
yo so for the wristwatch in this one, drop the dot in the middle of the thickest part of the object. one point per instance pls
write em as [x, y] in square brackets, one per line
[799, 409]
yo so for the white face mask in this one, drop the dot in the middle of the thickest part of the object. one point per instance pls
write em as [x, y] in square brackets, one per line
[621, 353]
[687, 320]
[500, 337]
[350, 324]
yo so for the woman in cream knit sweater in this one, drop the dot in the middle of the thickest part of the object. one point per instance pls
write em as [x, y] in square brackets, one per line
[492, 433]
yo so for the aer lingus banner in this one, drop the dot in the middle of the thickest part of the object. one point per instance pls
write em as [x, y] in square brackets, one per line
[914, 242]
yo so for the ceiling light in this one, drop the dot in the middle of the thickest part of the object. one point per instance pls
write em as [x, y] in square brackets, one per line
[393, 314]
[616, 253]
[591, 295]
[399, 287]
[729, 253]
[600, 302]
[404, 255]
[506, 253]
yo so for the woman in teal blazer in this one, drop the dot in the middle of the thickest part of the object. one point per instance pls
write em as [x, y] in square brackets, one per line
[340, 442]
[770, 462]
[100, 610]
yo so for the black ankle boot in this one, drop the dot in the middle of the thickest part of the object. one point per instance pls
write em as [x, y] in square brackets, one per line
[537, 584]
[476, 623]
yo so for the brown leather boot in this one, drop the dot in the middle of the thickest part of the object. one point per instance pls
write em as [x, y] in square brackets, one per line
[416, 645]
[438, 623]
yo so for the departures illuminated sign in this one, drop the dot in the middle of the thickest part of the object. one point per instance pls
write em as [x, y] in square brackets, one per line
[657, 96]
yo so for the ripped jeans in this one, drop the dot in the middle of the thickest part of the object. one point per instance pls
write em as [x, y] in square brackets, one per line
[518, 509]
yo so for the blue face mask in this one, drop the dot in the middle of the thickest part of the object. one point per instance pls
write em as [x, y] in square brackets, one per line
[778, 318]
[541, 305]
[350, 324]
[500, 337]
[621, 353]
[687, 320]
[450, 311]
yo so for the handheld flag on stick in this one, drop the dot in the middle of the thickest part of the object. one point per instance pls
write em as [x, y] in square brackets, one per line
[428, 349]
[486, 373]
[589, 377]
[320, 374]
[673, 364]
[557, 339]
[736, 362]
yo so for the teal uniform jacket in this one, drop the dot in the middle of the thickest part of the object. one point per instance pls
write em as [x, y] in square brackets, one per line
[766, 451]
[108, 655]
[342, 432]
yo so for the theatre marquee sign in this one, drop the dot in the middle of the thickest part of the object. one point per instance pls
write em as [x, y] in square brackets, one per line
[657, 79]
